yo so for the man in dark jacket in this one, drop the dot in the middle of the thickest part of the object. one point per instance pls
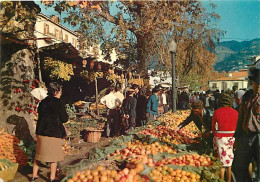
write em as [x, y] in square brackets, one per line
[128, 110]
[200, 116]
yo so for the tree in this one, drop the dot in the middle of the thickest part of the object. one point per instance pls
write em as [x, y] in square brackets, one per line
[140, 31]
[18, 107]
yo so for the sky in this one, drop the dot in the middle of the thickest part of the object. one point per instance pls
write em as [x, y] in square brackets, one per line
[239, 18]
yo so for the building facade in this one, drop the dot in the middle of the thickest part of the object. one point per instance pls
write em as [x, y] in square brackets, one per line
[50, 31]
[238, 78]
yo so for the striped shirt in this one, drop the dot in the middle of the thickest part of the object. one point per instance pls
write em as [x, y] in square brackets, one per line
[253, 107]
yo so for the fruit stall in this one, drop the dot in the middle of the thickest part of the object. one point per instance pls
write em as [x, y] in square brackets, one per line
[154, 152]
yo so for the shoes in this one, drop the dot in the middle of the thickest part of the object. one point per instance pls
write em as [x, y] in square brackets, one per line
[55, 180]
[34, 178]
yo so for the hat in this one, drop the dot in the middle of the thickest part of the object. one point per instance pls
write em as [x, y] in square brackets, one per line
[254, 75]
[155, 89]
[217, 90]
[198, 104]
[130, 90]
[134, 86]
[208, 92]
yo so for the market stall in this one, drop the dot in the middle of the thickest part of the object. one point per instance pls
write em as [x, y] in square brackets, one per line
[154, 152]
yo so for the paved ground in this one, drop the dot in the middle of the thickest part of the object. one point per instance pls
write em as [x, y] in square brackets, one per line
[25, 174]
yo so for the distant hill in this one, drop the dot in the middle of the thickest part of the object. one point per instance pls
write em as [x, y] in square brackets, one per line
[233, 55]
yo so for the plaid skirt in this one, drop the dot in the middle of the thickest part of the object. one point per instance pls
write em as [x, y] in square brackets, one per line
[223, 146]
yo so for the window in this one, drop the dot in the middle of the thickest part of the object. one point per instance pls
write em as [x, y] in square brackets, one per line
[235, 84]
[60, 37]
[56, 33]
[74, 42]
[214, 85]
[46, 28]
[66, 38]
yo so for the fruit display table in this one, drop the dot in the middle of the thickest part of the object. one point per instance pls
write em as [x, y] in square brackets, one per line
[155, 152]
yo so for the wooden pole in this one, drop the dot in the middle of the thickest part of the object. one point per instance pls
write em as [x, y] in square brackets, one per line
[39, 65]
[96, 97]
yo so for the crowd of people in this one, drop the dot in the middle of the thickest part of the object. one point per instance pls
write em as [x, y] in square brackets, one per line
[225, 118]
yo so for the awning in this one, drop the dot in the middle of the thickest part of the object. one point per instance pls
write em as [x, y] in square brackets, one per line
[62, 51]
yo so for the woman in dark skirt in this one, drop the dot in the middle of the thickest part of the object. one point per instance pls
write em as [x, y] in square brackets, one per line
[50, 130]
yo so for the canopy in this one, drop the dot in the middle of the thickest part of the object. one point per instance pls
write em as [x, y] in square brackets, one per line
[62, 51]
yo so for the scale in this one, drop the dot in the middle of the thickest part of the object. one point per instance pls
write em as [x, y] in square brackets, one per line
[82, 109]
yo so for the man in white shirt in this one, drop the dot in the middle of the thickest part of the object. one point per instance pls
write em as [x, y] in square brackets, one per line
[119, 93]
[112, 102]
[118, 124]
[164, 100]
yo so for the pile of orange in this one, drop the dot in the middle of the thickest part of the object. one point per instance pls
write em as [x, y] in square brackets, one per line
[166, 173]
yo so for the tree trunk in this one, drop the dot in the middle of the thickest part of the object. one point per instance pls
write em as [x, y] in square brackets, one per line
[18, 105]
[18, 108]
[141, 55]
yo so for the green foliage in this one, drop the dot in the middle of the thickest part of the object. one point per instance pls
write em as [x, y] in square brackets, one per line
[58, 70]
[91, 76]
[71, 110]
[29, 149]
[6, 164]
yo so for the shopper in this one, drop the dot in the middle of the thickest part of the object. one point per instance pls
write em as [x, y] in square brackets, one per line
[248, 131]
[128, 110]
[152, 105]
[200, 116]
[238, 98]
[50, 131]
[141, 106]
[117, 121]
[112, 102]
[224, 123]
[164, 100]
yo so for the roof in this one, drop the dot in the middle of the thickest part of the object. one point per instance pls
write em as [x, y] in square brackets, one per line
[243, 73]
[228, 79]
[61, 51]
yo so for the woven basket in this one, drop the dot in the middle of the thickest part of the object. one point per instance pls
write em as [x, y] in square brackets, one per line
[93, 136]
[9, 173]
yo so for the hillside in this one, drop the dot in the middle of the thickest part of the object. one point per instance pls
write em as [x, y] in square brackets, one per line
[234, 55]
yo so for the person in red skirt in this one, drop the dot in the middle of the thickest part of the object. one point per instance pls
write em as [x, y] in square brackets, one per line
[224, 123]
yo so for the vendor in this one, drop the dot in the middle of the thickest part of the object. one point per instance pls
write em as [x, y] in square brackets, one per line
[201, 116]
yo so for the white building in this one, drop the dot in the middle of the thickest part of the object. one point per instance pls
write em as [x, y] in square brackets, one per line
[238, 78]
[49, 31]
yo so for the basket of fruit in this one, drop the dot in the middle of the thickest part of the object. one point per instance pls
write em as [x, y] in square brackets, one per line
[92, 135]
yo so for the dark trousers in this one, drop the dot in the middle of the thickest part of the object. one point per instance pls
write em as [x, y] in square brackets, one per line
[113, 123]
[248, 149]
[150, 117]
[165, 108]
